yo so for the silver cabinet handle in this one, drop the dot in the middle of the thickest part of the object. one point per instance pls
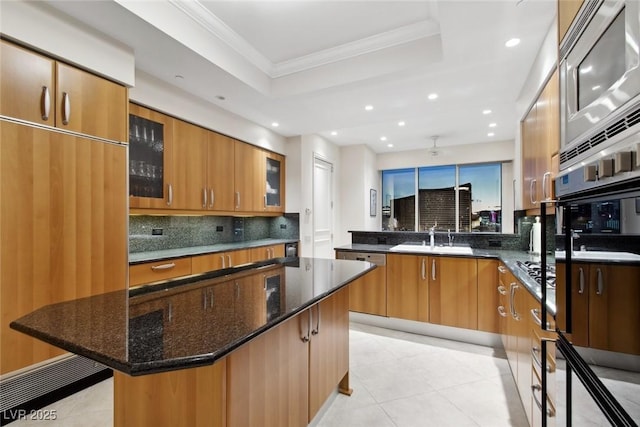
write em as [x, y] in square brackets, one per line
[265, 201]
[600, 289]
[170, 192]
[229, 258]
[212, 198]
[46, 103]
[532, 191]
[581, 287]
[237, 199]
[536, 359]
[222, 259]
[170, 314]
[66, 108]
[502, 269]
[536, 317]
[433, 269]
[538, 387]
[168, 266]
[423, 269]
[204, 198]
[501, 311]
[316, 331]
[305, 338]
[512, 300]
[544, 185]
[502, 290]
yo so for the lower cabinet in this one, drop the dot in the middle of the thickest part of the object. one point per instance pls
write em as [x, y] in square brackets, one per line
[453, 292]
[266, 252]
[219, 260]
[408, 287]
[150, 272]
[488, 298]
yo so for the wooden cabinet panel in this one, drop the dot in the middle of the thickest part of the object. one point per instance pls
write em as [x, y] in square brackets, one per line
[25, 79]
[488, 298]
[268, 378]
[529, 154]
[567, 11]
[189, 167]
[368, 294]
[274, 185]
[579, 302]
[160, 399]
[453, 292]
[266, 252]
[150, 272]
[249, 172]
[63, 225]
[219, 260]
[89, 104]
[408, 287]
[220, 172]
[329, 350]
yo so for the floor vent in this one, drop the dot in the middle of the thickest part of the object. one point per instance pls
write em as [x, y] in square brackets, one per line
[48, 383]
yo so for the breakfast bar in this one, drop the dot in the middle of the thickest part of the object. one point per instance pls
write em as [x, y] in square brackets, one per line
[262, 344]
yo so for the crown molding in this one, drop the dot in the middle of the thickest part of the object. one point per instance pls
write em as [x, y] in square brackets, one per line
[215, 26]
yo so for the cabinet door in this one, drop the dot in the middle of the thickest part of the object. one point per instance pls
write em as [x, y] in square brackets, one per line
[268, 378]
[524, 303]
[408, 287]
[266, 252]
[548, 143]
[614, 318]
[150, 272]
[249, 178]
[150, 150]
[63, 222]
[329, 350]
[368, 294]
[529, 154]
[453, 292]
[488, 298]
[189, 166]
[220, 175]
[579, 289]
[237, 258]
[274, 179]
[26, 84]
[89, 104]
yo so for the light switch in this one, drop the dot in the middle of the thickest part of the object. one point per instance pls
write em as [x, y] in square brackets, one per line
[605, 168]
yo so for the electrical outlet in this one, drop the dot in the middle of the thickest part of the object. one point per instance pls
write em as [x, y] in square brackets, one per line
[283, 226]
[495, 244]
[156, 231]
[219, 228]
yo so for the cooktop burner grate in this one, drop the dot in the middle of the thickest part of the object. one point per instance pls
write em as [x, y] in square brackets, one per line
[534, 270]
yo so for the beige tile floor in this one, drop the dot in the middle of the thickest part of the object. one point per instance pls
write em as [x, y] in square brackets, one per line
[399, 380]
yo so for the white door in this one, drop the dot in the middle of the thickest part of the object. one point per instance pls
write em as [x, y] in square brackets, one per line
[322, 208]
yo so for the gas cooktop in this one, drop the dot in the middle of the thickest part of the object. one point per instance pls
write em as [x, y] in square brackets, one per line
[534, 270]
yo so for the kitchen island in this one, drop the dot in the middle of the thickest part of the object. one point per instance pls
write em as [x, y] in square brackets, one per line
[267, 343]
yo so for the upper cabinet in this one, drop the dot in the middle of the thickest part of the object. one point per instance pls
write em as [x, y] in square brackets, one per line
[540, 143]
[274, 178]
[220, 171]
[567, 11]
[40, 90]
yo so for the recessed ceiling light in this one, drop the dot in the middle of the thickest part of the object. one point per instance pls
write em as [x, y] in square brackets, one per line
[179, 77]
[595, 87]
[390, 145]
[334, 133]
[400, 123]
[275, 124]
[492, 125]
[512, 42]
[383, 138]
[432, 96]
[490, 134]
[220, 97]
[485, 112]
[368, 107]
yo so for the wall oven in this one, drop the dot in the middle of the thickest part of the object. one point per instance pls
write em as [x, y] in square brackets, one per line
[599, 78]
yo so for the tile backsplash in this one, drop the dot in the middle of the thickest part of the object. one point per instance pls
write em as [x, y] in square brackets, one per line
[189, 231]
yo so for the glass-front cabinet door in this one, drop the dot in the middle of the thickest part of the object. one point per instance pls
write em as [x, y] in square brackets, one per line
[150, 137]
[274, 177]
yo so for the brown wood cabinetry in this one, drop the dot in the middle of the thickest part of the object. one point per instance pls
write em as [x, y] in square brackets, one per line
[567, 11]
[150, 272]
[604, 305]
[219, 260]
[540, 142]
[488, 298]
[453, 292]
[266, 252]
[189, 167]
[220, 173]
[41, 90]
[408, 287]
[368, 294]
[63, 225]
[248, 178]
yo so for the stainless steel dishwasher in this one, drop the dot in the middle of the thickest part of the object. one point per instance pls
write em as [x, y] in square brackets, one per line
[368, 294]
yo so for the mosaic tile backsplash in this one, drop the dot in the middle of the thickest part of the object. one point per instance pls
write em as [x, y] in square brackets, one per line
[190, 231]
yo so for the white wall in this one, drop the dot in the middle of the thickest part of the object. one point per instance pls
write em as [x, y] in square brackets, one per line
[159, 95]
[67, 39]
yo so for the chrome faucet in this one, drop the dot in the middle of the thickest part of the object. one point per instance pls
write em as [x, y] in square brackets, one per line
[450, 237]
[432, 236]
[574, 235]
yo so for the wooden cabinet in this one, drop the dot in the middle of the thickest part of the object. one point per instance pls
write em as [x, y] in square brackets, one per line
[41, 90]
[189, 167]
[488, 298]
[567, 11]
[150, 272]
[368, 294]
[266, 252]
[219, 260]
[248, 178]
[604, 304]
[220, 172]
[63, 221]
[540, 135]
[408, 287]
[453, 292]
[274, 175]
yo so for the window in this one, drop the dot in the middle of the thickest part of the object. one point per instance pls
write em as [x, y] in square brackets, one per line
[465, 198]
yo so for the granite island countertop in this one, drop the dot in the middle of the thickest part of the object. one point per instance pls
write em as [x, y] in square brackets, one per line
[192, 321]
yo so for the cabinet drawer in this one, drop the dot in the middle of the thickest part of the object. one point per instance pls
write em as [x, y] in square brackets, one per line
[154, 271]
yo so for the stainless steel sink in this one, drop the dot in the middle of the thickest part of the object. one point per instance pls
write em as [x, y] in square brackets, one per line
[444, 250]
[600, 256]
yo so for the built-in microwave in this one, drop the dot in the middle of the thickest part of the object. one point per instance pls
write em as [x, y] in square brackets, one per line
[599, 78]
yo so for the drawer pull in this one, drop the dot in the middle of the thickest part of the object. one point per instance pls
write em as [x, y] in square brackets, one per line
[66, 108]
[160, 267]
[502, 290]
[46, 103]
[536, 359]
[502, 269]
[501, 311]
[538, 387]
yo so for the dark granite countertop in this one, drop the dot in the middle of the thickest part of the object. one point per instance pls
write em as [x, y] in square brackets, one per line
[140, 257]
[510, 259]
[188, 322]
